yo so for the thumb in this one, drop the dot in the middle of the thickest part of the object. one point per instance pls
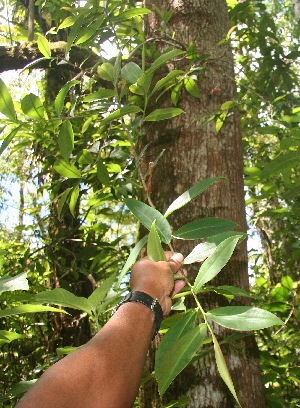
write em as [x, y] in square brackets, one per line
[177, 258]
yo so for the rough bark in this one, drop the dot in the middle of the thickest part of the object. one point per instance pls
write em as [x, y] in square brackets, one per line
[195, 151]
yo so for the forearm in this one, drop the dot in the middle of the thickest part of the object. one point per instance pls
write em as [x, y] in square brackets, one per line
[106, 372]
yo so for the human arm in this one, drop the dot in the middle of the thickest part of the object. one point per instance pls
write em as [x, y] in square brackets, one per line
[106, 372]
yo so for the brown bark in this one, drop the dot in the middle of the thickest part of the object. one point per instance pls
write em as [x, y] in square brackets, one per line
[195, 151]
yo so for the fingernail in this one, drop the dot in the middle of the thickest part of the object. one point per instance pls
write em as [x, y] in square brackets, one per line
[177, 257]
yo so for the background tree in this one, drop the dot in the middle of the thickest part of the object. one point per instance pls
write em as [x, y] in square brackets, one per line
[196, 148]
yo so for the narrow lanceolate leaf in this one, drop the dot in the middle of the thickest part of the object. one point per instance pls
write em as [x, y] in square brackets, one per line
[6, 103]
[178, 356]
[190, 194]
[243, 318]
[163, 114]
[183, 325]
[102, 93]
[132, 257]
[43, 46]
[66, 139]
[76, 26]
[214, 263]
[167, 80]
[32, 106]
[63, 297]
[18, 282]
[30, 308]
[8, 139]
[73, 200]
[146, 215]
[102, 173]
[119, 113]
[100, 293]
[280, 163]
[204, 227]
[60, 98]
[66, 169]
[200, 253]
[223, 370]
[162, 59]
[62, 200]
[155, 251]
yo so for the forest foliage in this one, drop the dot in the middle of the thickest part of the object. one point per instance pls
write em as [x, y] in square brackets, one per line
[68, 145]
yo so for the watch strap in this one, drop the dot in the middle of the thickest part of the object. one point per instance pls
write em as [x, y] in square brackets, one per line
[146, 300]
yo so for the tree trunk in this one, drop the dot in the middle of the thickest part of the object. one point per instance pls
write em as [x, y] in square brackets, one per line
[195, 151]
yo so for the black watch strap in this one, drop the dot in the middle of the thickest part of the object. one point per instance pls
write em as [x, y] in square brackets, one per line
[147, 300]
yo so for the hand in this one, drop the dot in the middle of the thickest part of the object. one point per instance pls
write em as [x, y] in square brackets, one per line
[157, 279]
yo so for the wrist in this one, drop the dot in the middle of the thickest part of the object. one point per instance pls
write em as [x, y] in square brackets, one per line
[149, 302]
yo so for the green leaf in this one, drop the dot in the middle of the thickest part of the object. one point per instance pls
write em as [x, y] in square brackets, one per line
[163, 114]
[162, 59]
[155, 251]
[30, 308]
[74, 31]
[66, 169]
[142, 86]
[102, 93]
[101, 292]
[176, 92]
[32, 106]
[280, 163]
[66, 139]
[61, 202]
[7, 337]
[43, 46]
[215, 262]
[280, 294]
[133, 12]
[243, 318]
[18, 282]
[102, 173]
[220, 121]
[287, 282]
[121, 112]
[73, 200]
[67, 22]
[132, 258]
[146, 215]
[131, 72]
[190, 194]
[86, 33]
[8, 139]
[6, 103]
[200, 253]
[63, 297]
[60, 98]
[106, 71]
[204, 227]
[222, 368]
[191, 87]
[167, 80]
[178, 356]
[183, 325]
[232, 291]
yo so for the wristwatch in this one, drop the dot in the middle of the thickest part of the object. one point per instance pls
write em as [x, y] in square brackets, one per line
[150, 302]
